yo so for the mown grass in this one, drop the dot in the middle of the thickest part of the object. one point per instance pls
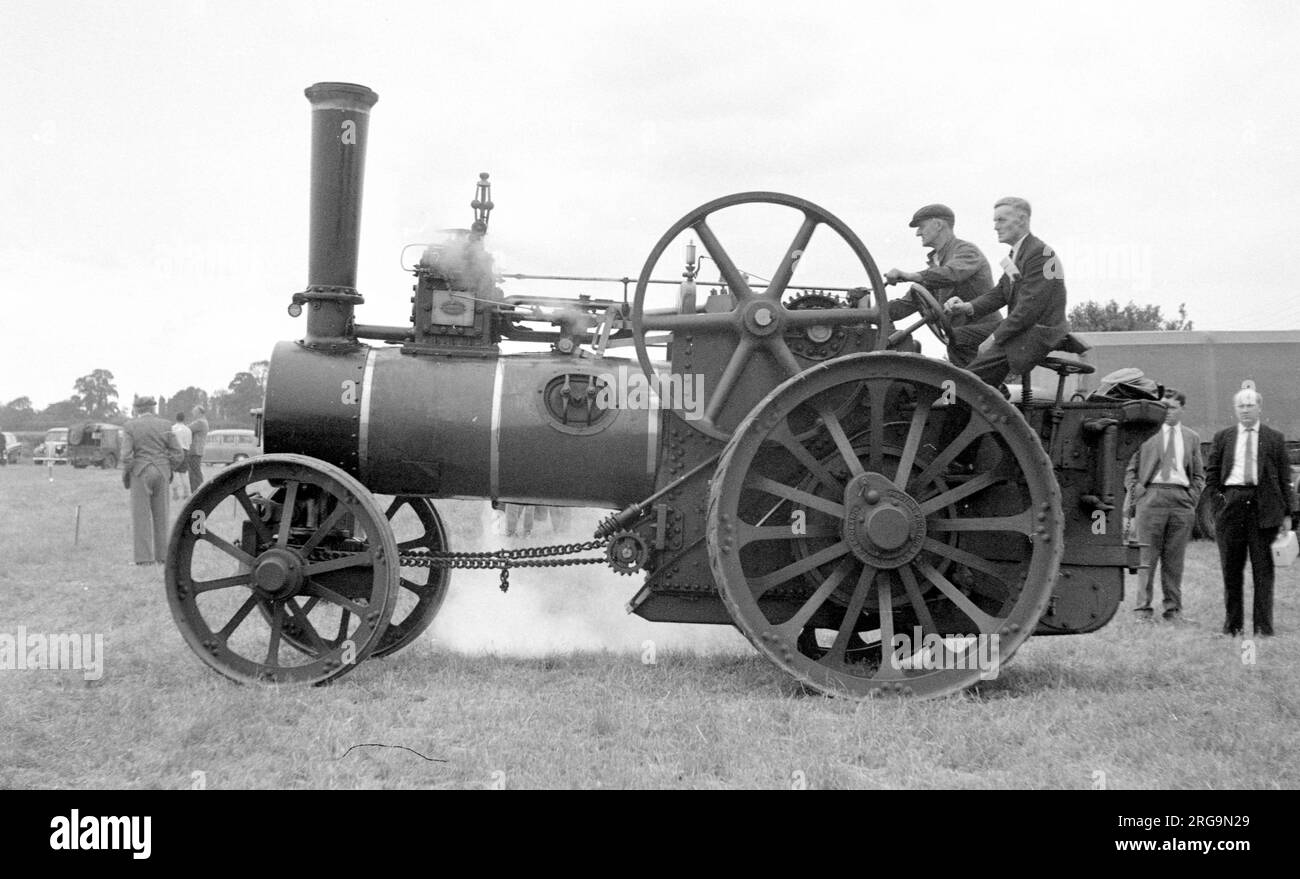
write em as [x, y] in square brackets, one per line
[565, 699]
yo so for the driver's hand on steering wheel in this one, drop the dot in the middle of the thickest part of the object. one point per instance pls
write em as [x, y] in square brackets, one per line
[895, 276]
[955, 305]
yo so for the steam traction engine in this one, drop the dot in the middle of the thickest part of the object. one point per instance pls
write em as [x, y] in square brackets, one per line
[866, 516]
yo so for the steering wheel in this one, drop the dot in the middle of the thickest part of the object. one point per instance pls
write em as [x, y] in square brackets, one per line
[757, 320]
[933, 312]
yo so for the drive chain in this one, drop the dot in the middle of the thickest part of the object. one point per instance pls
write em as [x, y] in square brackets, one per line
[504, 559]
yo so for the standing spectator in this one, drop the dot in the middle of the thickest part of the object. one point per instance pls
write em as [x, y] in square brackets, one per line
[148, 450]
[1164, 480]
[198, 443]
[1248, 470]
[180, 479]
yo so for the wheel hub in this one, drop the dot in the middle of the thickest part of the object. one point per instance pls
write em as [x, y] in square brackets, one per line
[883, 526]
[278, 573]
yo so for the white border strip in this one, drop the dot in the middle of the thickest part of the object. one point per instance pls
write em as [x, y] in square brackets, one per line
[494, 440]
[363, 430]
[652, 433]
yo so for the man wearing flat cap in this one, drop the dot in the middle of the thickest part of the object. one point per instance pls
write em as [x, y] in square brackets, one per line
[955, 268]
[149, 448]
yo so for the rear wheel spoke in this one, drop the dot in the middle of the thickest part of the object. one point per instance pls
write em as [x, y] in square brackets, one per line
[849, 625]
[762, 584]
[983, 622]
[790, 493]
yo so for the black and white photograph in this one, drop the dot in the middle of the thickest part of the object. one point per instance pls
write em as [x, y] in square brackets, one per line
[676, 395]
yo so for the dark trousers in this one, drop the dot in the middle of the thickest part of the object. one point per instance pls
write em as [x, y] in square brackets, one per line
[1239, 535]
[194, 464]
[149, 514]
[964, 344]
[992, 366]
[1164, 524]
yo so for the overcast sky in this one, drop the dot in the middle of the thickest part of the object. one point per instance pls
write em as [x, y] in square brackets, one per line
[153, 203]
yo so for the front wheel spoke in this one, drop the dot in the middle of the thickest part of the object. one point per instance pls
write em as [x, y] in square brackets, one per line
[762, 584]
[356, 560]
[286, 514]
[277, 627]
[781, 278]
[735, 280]
[1021, 523]
[832, 424]
[240, 615]
[722, 388]
[952, 495]
[300, 617]
[789, 492]
[983, 622]
[912, 444]
[791, 628]
[835, 655]
[313, 587]
[254, 516]
[200, 586]
[345, 619]
[752, 533]
[228, 548]
[340, 510]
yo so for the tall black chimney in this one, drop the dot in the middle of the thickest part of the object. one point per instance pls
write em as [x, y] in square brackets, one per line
[340, 114]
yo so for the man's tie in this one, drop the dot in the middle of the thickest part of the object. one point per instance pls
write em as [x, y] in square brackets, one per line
[1248, 477]
[1168, 459]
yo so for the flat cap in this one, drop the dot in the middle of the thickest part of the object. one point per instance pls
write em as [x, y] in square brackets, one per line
[145, 402]
[940, 211]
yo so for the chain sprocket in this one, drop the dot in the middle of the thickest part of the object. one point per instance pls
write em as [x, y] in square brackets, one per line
[627, 552]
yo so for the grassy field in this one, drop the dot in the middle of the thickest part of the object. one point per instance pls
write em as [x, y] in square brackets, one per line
[546, 687]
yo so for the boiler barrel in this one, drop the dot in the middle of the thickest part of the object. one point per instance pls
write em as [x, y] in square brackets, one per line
[463, 427]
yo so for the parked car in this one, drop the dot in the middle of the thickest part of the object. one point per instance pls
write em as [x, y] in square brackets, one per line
[12, 448]
[230, 445]
[55, 447]
[95, 443]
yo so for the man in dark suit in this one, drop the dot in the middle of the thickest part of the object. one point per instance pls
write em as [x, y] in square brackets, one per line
[1032, 288]
[198, 444]
[955, 268]
[1249, 471]
[149, 448]
[1164, 479]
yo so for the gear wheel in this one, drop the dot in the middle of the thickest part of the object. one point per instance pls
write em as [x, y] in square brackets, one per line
[816, 342]
[627, 553]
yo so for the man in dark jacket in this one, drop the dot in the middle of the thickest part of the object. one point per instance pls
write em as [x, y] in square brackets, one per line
[148, 449]
[1249, 472]
[955, 268]
[198, 443]
[1032, 288]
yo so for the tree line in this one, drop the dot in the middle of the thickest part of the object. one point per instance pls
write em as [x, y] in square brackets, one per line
[95, 398]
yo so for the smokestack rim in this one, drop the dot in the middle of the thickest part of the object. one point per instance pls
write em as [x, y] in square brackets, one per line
[340, 96]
